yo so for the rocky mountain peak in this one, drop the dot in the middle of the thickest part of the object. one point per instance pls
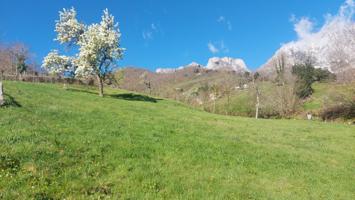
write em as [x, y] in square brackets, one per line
[227, 63]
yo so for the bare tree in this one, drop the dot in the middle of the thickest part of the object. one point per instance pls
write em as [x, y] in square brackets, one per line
[215, 95]
[13, 58]
[147, 82]
[280, 64]
[203, 95]
[5, 60]
[228, 86]
[20, 54]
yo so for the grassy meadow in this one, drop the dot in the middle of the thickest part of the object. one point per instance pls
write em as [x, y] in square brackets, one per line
[72, 144]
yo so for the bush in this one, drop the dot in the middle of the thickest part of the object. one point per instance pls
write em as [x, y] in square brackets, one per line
[303, 89]
[323, 75]
[344, 111]
[276, 101]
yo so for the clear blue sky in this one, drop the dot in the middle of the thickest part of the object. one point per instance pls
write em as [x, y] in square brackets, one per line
[167, 33]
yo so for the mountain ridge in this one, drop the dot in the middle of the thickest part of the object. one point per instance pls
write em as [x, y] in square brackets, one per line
[215, 63]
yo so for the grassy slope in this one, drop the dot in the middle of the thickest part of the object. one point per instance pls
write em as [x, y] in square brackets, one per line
[322, 92]
[74, 145]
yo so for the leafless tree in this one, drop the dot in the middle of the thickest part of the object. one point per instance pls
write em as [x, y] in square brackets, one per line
[13, 58]
[280, 65]
[145, 79]
[215, 94]
[5, 60]
[20, 54]
[228, 85]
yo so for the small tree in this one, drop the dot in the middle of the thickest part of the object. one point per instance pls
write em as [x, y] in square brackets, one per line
[13, 58]
[98, 45]
[5, 60]
[215, 95]
[20, 54]
[256, 76]
[147, 82]
[21, 64]
[203, 94]
[227, 88]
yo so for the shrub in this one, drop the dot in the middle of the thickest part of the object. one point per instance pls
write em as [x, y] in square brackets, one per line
[303, 89]
[339, 105]
[345, 111]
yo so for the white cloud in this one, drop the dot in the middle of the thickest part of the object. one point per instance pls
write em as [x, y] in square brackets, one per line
[347, 10]
[293, 18]
[223, 47]
[303, 27]
[213, 49]
[217, 47]
[223, 20]
[148, 34]
[332, 42]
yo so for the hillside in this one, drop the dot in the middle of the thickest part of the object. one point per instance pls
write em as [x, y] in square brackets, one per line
[165, 84]
[72, 144]
[323, 92]
[196, 86]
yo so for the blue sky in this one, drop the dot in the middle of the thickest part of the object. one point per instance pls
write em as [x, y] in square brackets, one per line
[167, 33]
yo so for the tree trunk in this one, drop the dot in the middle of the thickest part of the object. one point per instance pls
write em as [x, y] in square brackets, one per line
[257, 103]
[101, 86]
[2, 99]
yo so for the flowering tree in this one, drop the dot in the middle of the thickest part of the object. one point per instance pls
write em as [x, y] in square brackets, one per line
[57, 64]
[98, 47]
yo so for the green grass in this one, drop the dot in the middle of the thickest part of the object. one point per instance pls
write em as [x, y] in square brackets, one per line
[240, 104]
[324, 91]
[72, 144]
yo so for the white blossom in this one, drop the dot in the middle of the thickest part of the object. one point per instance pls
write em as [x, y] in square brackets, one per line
[55, 63]
[98, 45]
[68, 27]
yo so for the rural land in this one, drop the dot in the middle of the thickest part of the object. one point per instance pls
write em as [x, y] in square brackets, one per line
[76, 123]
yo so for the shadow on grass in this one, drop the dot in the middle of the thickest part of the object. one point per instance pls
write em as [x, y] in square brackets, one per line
[81, 90]
[135, 97]
[10, 101]
[124, 96]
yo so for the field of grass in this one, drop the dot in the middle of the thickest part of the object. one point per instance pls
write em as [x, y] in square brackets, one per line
[72, 144]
